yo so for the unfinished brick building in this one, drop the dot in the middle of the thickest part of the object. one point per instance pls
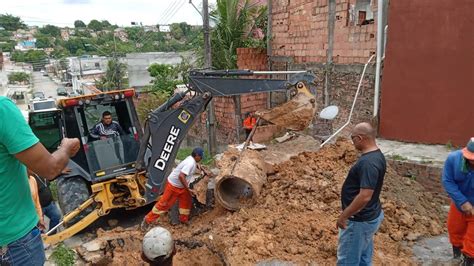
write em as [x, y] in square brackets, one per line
[303, 36]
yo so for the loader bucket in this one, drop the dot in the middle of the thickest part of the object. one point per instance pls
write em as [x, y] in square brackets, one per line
[296, 114]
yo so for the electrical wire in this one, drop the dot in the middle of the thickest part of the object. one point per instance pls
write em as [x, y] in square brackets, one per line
[166, 12]
[174, 12]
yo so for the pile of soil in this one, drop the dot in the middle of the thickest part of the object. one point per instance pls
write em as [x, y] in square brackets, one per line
[294, 217]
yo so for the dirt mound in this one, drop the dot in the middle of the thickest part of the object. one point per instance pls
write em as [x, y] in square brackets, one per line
[295, 215]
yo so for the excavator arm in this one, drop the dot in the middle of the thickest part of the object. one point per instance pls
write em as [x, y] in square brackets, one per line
[167, 127]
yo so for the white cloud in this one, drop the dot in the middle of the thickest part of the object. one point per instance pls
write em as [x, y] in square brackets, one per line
[121, 12]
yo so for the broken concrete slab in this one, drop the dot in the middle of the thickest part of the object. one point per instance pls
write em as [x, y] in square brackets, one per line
[422, 153]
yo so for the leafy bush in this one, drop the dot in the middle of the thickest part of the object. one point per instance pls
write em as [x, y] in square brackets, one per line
[18, 78]
[150, 101]
[63, 256]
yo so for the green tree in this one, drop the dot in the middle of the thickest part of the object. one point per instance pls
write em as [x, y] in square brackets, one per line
[234, 22]
[176, 31]
[8, 46]
[11, 23]
[114, 77]
[73, 45]
[18, 78]
[37, 58]
[106, 24]
[185, 27]
[60, 52]
[43, 41]
[151, 102]
[50, 30]
[165, 78]
[79, 24]
[95, 25]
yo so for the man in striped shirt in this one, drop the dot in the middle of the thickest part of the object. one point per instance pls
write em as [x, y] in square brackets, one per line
[106, 128]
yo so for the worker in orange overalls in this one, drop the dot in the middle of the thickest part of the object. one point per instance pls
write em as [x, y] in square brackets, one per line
[177, 188]
[36, 201]
[249, 123]
[458, 181]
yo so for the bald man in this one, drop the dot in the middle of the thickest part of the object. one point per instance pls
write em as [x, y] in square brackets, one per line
[362, 212]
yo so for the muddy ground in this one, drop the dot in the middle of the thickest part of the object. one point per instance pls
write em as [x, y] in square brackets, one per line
[293, 220]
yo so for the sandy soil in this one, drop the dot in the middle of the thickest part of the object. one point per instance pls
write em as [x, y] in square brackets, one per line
[294, 219]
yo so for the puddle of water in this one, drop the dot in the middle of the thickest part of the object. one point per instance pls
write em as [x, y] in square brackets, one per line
[434, 251]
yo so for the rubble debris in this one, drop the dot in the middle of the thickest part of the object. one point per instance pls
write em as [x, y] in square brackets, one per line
[294, 219]
[285, 137]
[251, 146]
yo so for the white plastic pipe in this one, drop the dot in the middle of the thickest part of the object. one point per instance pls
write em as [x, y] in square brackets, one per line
[353, 105]
[380, 33]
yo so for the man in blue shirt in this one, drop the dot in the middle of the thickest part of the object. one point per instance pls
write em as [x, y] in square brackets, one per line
[458, 181]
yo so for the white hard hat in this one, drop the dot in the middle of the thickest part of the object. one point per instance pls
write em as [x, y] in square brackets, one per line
[157, 242]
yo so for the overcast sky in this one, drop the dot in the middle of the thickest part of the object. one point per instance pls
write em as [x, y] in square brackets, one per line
[120, 12]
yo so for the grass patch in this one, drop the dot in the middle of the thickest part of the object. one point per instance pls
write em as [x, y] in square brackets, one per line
[449, 145]
[62, 255]
[185, 152]
[53, 186]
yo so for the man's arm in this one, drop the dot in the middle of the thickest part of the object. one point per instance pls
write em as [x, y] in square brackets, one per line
[95, 133]
[182, 178]
[19, 140]
[359, 202]
[452, 188]
[45, 164]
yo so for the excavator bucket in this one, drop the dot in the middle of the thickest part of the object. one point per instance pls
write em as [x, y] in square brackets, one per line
[297, 113]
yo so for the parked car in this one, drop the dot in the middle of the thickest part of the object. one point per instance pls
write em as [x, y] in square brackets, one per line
[73, 94]
[38, 95]
[61, 91]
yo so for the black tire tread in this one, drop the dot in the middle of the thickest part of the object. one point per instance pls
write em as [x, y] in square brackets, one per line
[72, 192]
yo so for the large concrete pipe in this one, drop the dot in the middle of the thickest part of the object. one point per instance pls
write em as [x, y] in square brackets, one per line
[241, 178]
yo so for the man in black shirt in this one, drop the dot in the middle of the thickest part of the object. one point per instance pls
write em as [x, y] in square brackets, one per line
[48, 205]
[362, 211]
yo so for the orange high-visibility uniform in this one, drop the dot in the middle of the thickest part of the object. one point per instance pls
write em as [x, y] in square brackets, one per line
[167, 200]
[249, 122]
[461, 230]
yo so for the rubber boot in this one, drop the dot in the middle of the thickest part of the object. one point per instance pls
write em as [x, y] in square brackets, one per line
[467, 261]
[457, 252]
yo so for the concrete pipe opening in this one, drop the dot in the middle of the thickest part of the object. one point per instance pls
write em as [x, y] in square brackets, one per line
[234, 192]
[241, 180]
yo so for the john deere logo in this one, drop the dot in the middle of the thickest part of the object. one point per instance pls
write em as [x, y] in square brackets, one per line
[184, 116]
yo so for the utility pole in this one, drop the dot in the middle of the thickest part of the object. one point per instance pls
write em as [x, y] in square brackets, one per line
[329, 51]
[117, 67]
[212, 142]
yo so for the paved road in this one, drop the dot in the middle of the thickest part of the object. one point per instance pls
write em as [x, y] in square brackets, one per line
[46, 85]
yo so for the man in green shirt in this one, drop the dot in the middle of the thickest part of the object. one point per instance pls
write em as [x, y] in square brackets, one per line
[20, 239]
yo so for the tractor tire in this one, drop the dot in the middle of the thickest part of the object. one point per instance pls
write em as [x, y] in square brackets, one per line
[72, 192]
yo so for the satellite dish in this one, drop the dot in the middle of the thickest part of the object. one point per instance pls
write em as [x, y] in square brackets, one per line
[329, 112]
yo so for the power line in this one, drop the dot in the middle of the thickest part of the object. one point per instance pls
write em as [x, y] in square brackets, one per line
[174, 12]
[167, 11]
[170, 16]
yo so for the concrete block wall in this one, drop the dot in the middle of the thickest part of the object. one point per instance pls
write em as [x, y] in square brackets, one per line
[300, 30]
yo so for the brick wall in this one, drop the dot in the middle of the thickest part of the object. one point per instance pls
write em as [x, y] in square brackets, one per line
[428, 176]
[228, 118]
[300, 30]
